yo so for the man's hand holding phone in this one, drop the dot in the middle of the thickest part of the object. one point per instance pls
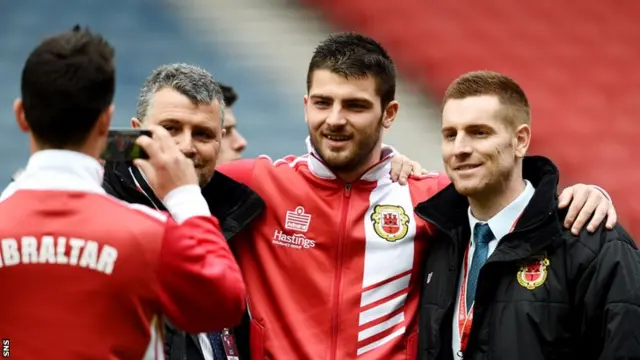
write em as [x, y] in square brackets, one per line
[166, 167]
[122, 147]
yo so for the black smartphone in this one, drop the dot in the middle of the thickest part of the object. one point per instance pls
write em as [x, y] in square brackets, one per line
[121, 145]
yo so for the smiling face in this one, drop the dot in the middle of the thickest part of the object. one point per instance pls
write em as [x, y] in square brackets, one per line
[346, 120]
[196, 128]
[481, 150]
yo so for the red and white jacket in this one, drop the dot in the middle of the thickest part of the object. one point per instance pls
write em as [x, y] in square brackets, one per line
[86, 276]
[332, 270]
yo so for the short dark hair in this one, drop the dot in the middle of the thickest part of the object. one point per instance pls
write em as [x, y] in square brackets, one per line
[353, 55]
[67, 82]
[509, 93]
[230, 95]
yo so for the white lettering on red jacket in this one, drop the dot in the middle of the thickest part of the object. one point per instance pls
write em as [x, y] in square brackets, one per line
[87, 276]
[332, 269]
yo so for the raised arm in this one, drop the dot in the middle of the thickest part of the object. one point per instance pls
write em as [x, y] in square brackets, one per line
[200, 284]
[239, 170]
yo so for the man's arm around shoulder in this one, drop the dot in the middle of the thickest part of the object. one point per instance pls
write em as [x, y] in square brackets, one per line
[609, 289]
[434, 182]
[200, 284]
[239, 170]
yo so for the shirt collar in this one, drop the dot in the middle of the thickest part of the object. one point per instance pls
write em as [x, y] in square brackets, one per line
[503, 221]
[377, 172]
[59, 170]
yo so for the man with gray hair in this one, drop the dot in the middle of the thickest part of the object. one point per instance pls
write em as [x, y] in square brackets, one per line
[189, 104]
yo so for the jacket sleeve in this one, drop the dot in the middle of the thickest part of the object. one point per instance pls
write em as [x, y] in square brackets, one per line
[610, 289]
[200, 285]
[239, 170]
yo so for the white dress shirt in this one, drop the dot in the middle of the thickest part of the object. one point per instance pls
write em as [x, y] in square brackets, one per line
[500, 226]
[207, 350]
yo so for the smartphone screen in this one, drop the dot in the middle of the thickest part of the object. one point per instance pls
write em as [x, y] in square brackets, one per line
[121, 145]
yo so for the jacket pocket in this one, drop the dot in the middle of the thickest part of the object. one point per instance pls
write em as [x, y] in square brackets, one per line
[256, 340]
[412, 346]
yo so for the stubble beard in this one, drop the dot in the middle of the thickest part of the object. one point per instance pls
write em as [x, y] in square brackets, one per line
[490, 187]
[203, 180]
[203, 177]
[355, 158]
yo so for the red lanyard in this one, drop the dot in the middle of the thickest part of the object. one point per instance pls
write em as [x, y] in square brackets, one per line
[229, 344]
[466, 319]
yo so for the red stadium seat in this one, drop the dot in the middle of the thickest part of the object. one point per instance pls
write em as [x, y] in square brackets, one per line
[577, 60]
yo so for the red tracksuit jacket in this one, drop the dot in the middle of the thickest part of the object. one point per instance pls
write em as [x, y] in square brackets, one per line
[333, 270]
[85, 276]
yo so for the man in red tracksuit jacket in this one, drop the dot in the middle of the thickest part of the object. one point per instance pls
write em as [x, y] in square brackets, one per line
[334, 265]
[86, 276]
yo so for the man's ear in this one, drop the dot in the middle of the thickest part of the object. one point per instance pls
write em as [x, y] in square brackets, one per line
[305, 101]
[522, 140]
[390, 114]
[104, 122]
[18, 111]
[135, 123]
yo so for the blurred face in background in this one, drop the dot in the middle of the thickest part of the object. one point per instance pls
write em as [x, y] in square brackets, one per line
[481, 150]
[346, 120]
[233, 143]
[196, 128]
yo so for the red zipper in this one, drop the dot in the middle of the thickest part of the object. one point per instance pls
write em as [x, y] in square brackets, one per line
[338, 274]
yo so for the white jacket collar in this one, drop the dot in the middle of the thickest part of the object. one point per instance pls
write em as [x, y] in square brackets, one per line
[503, 222]
[377, 172]
[59, 170]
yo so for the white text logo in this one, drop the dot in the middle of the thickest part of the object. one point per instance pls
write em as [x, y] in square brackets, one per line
[296, 241]
[297, 220]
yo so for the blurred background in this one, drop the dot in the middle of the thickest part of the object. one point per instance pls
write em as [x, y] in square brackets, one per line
[577, 61]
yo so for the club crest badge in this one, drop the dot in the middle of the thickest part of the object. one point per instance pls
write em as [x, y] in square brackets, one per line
[533, 274]
[390, 222]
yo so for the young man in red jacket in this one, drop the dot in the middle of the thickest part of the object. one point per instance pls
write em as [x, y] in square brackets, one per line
[88, 276]
[334, 264]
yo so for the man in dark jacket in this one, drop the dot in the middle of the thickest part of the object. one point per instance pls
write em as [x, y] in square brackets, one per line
[503, 279]
[234, 204]
[186, 101]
